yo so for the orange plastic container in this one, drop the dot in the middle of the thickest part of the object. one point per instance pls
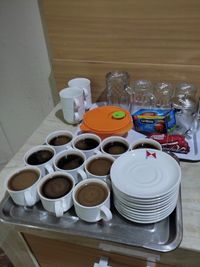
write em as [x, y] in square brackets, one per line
[107, 121]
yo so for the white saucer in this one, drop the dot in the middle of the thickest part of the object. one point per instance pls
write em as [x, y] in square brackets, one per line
[145, 173]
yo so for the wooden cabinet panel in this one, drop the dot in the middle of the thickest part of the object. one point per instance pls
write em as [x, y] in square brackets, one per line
[53, 253]
[140, 31]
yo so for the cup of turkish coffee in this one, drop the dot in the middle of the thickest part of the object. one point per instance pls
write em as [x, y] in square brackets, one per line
[91, 199]
[115, 146]
[88, 143]
[146, 143]
[42, 157]
[71, 161]
[59, 140]
[98, 166]
[55, 192]
[22, 185]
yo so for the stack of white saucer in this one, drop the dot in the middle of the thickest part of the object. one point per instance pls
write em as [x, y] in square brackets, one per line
[145, 185]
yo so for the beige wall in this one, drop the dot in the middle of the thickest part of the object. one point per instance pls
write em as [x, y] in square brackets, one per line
[25, 92]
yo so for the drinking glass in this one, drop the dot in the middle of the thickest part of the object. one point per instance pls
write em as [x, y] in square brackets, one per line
[164, 92]
[143, 93]
[185, 90]
[116, 84]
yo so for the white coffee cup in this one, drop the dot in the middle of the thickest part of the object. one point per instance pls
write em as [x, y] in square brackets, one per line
[115, 152]
[92, 213]
[97, 170]
[56, 205]
[23, 194]
[90, 137]
[85, 85]
[77, 172]
[47, 166]
[72, 102]
[56, 134]
[146, 143]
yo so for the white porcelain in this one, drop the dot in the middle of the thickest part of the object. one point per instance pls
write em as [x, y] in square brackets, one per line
[105, 178]
[56, 134]
[85, 85]
[29, 195]
[88, 153]
[72, 102]
[114, 139]
[46, 167]
[150, 141]
[94, 213]
[59, 205]
[145, 173]
[78, 173]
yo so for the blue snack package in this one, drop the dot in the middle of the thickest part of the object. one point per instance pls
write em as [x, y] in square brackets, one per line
[154, 120]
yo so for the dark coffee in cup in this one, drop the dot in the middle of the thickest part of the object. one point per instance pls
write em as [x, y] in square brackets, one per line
[70, 162]
[115, 148]
[40, 157]
[100, 166]
[60, 140]
[145, 145]
[91, 194]
[86, 144]
[56, 187]
[23, 180]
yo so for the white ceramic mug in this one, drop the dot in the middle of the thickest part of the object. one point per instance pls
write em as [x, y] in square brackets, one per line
[84, 137]
[97, 170]
[92, 213]
[113, 140]
[47, 166]
[77, 172]
[56, 134]
[56, 205]
[146, 143]
[72, 102]
[23, 194]
[85, 85]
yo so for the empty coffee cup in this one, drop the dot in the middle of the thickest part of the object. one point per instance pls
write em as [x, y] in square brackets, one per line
[55, 192]
[22, 185]
[88, 143]
[71, 161]
[91, 199]
[72, 102]
[42, 157]
[115, 146]
[84, 84]
[59, 140]
[98, 166]
[146, 143]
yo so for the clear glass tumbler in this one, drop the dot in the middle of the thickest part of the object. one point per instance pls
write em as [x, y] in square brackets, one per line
[163, 92]
[117, 83]
[143, 93]
[185, 90]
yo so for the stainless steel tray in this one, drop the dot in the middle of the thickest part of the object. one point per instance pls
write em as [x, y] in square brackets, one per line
[163, 236]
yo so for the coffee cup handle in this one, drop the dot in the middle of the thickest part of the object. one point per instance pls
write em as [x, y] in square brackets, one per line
[29, 199]
[76, 104]
[85, 92]
[82, 174]
[58, 209]
[76, 117]
[106, 214]
[49, 168]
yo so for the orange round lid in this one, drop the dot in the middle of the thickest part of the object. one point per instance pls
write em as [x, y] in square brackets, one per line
[107, 119]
